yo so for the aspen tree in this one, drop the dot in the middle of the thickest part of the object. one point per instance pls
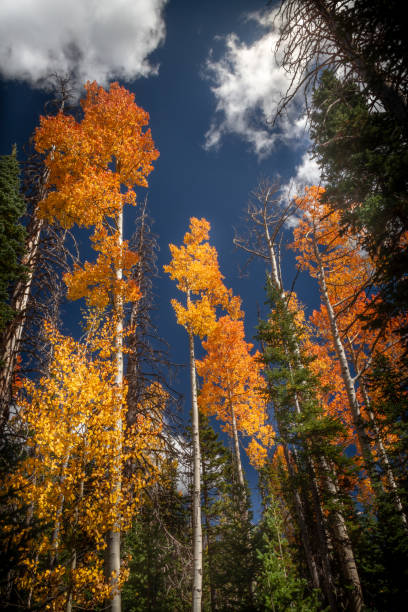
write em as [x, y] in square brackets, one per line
[267, 219]
[194, 266]
[72, 413]
[343, 273]
[232, 389]
[93, 169]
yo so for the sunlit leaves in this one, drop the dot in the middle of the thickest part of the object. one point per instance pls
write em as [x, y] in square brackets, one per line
[90, 160]
[232, 381]
[195, 267]
[71, 414]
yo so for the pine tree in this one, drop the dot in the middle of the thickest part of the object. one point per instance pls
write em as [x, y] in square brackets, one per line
[279, 585]
[12, 233]
[228, 548]
[309, 438]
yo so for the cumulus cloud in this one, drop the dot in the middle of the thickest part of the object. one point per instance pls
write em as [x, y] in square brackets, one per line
[307, 173]
[89, 39]
[248, 84]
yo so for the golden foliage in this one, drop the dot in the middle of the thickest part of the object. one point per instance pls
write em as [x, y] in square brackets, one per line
[89, 161]
[233, 382]
[73, 447]
[195, 267]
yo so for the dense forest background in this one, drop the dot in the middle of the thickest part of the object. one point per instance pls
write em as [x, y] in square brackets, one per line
[113, 496]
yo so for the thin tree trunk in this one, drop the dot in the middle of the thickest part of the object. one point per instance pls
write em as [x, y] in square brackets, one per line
[113, 538]
[344, 547]
[197, 529]
[383, 455]
[324, 539]
[12, 339]
[209, 541]
[304, 531]
[342, 540]
[237, 453]
[347, 378]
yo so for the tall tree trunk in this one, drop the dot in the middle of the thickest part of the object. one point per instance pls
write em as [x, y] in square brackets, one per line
[343, 544]
[344, 548]
[237, 453]
[208, 533]
[382, 453]
[12, 339]
[113, 538]
[303, 526]
[349, 383]
[197, 529]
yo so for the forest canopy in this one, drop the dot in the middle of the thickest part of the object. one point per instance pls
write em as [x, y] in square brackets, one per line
[265, 469]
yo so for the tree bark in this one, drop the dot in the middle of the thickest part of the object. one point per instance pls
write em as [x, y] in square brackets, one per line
[344, 548]
[208, 532]
[237, 453]
[382, 453]
[304, 531]
[12, 339]
[113, 538]
[197, 529]
[343, 544]
[347, 377]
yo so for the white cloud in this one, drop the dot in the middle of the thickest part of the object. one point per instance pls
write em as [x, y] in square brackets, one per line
[307, 173]
[248, 85]
[91, 39]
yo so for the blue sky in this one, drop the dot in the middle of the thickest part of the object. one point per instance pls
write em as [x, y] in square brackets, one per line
[206, 74]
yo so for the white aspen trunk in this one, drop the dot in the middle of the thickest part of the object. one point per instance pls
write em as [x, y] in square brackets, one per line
[113, 539]
[344, 547]
[237, 453]
[383, 455]
[349, 567]
[347, 377]
[197, 529]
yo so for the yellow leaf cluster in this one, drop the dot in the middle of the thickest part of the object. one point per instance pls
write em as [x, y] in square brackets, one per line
[74, 448]
[194, 266]
[98, 282]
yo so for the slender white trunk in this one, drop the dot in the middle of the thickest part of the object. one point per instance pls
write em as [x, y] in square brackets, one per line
[382, 453]
[237, 453]
[197, 529]
[113, 539]
[344, 547]
[343, 544]
[347, 377]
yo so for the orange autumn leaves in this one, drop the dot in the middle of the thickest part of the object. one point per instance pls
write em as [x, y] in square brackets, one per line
[98, 281]
[231, 375]
[93, 166]
[89, 160]
[77, 453]
[195, 267]
[232, 381]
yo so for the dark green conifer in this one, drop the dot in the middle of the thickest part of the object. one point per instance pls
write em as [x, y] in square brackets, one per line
[12, 233]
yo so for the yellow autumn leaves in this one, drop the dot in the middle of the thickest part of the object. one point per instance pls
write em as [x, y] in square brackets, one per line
[71, 415]
[232, 378]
